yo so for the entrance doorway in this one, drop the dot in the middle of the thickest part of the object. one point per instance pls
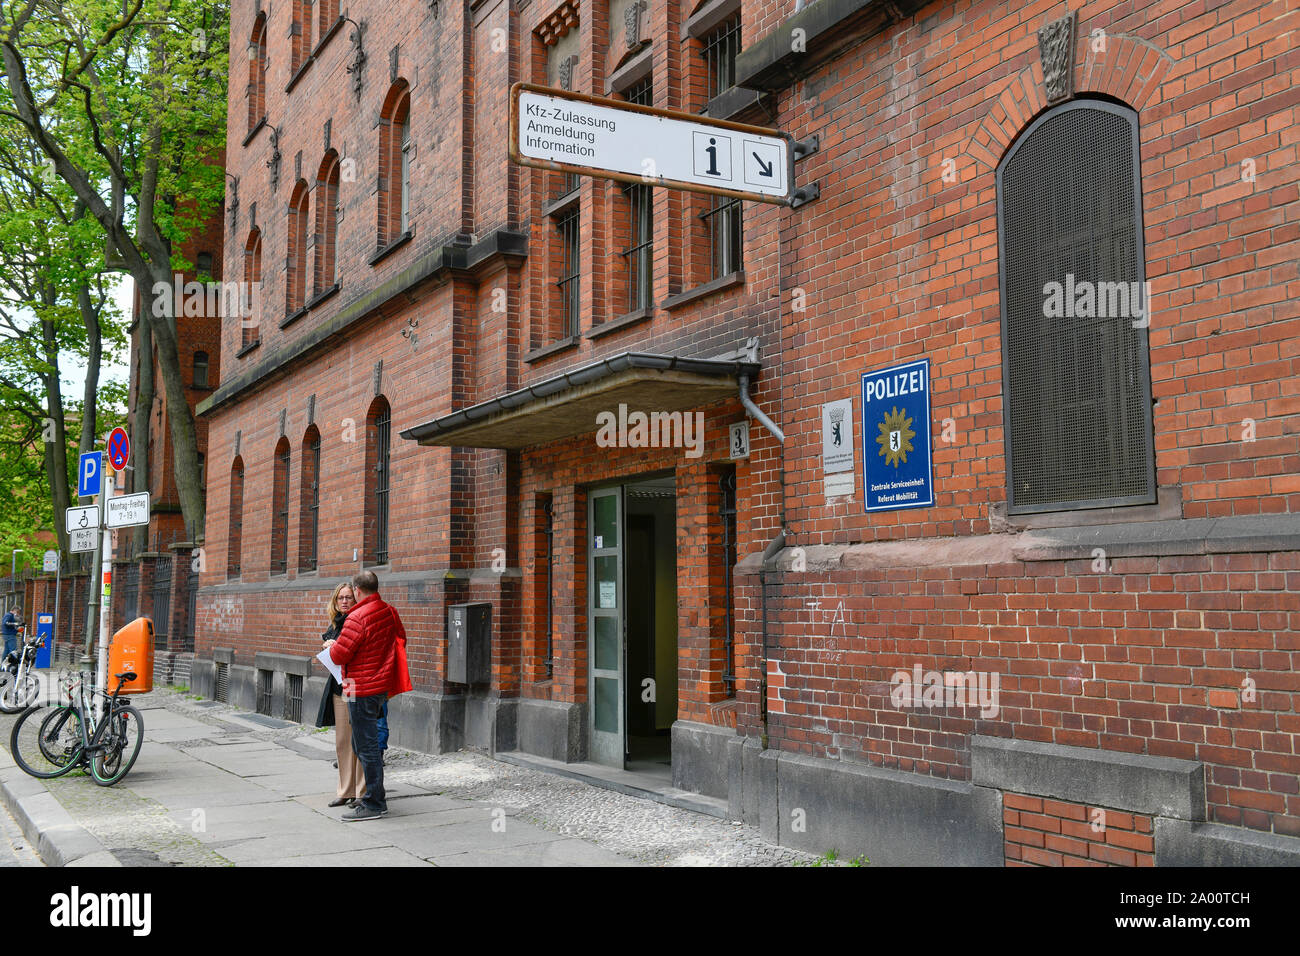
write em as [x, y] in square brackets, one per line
[632, 624]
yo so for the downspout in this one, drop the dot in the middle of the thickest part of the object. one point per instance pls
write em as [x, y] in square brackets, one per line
[774, 546]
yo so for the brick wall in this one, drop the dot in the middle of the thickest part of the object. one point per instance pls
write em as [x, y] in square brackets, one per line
[1041, 832]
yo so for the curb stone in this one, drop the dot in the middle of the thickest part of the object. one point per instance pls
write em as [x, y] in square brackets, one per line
[48, 827]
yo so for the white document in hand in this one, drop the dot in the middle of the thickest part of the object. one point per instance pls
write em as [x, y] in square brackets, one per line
[324, 658]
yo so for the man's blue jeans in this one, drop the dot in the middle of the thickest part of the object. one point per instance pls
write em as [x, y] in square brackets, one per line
[383, 727]
[364, 713]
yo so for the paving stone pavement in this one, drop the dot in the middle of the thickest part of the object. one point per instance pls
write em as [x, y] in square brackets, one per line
[217, 786]
[14, 848]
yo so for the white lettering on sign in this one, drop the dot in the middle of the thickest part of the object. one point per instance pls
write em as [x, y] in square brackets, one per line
[895, 386]
[681, 151]
[81, 540]
[128, 510]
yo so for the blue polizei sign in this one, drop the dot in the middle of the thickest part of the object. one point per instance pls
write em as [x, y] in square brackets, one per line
[90, 473]
[896, 467]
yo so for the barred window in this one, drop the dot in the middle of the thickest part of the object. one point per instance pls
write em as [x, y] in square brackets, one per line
[200, 369]
[378, 482]
[1074, 313]
[309, 502]
[720, 49]
[395, 164]
[250, 310]
[722, 221]
[638, 257]
[234, 540]
[568, 284]
[280, 509]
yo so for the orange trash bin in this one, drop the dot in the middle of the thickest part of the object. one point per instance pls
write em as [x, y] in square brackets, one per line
[132, 650]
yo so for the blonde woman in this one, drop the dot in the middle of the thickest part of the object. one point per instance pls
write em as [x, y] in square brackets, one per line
[334, 709]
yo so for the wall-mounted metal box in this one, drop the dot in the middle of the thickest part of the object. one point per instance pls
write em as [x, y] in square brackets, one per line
[469, 643]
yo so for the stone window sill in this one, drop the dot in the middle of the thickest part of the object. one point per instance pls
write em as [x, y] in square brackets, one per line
[384, 251]
[546, 351]
[701, 291]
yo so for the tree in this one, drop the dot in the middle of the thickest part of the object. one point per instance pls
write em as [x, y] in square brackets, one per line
[126, 102]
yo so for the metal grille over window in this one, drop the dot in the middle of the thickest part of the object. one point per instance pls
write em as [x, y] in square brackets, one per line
[313, 509]
[548, 529]
[720, 49]
[568, 283]
[383, 423]
[221, 690]
[130, 591]
[1076, 365]
[722, 220]
[162, 601]
[264, 685]
[192, 609]
[280, 519]
[728, 488]
[640, 227]
[293, 697]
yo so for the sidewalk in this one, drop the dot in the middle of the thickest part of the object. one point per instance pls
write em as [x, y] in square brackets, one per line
[217, 786]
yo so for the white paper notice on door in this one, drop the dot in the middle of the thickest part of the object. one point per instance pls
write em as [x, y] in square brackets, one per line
[608, 595]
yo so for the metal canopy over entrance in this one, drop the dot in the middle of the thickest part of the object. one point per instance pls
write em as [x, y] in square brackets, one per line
[568, 404]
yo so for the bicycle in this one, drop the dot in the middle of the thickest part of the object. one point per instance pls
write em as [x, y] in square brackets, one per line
[71, 736]
[21, 687]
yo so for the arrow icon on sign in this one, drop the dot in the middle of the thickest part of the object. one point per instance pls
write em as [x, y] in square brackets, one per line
[764, 169]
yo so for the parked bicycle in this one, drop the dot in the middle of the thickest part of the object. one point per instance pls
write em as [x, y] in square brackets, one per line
[49, 742]
[19, 686]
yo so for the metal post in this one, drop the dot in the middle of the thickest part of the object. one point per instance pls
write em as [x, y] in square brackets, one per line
[58, 577]
[105, 585]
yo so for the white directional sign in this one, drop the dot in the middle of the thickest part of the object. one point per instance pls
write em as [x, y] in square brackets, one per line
[128, 510]
[86, 516]
[83, 539]
[552, 129]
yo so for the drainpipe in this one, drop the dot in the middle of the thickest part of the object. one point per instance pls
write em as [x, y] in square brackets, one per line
[758, 412]
[773, 547]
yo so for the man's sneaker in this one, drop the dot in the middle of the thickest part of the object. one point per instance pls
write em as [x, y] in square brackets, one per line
[363, 812]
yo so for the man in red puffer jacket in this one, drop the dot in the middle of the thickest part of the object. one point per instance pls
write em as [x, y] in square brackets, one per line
[372, 652]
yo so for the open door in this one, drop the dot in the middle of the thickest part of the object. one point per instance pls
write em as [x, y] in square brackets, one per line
[605, 621]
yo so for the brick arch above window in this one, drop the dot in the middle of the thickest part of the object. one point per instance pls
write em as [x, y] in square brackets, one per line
[295, 271]
[395, 154]
[1125, 68]
[329, 212]
[256, 90]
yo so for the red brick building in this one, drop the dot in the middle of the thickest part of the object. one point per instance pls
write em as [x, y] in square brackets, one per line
[1078, 648]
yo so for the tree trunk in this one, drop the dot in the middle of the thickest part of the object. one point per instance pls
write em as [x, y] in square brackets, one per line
[180, 418]
[56, 451]
[95, 352]
[141, 422]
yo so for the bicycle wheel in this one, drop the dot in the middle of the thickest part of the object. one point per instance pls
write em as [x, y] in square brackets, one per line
[119, 747]
[19, 695]
[47, 743]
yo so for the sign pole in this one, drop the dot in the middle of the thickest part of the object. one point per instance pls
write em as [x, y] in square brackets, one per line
[58, 577]
[105, 585]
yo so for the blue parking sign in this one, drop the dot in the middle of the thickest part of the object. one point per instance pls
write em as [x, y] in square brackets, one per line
[90, 472]
[896, 467]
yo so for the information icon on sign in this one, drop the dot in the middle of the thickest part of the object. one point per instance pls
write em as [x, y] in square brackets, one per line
[712, 155]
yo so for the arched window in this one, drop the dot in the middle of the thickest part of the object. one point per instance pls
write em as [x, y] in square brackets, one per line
[1076, 369]
[326, 267]
[203, 473]
[395, 165]
[257, 73]
[295, 269]
[299, 35]
[250, 312]
[378, 432]
[280, 509]
[200, 369]
[234, 540]
[309, 501]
